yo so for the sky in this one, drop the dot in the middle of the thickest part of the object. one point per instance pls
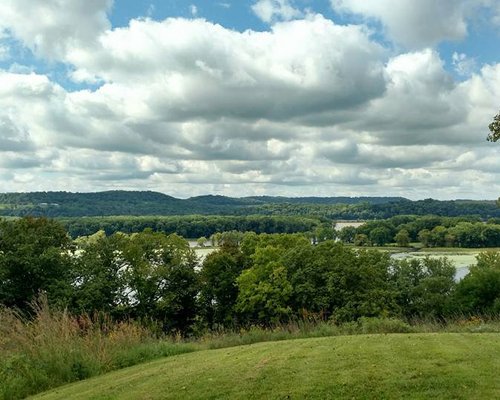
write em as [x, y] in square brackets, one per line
[251, 97]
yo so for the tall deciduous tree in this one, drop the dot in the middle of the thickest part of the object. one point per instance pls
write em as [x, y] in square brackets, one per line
[264, 289]
[423, 286]
[33, 259]
[95, 277]
[402, 238]
[218, 285]
[160, 279]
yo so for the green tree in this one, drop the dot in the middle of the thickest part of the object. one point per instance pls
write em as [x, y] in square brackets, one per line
[491, 235]
[423, 286]
[361, 240]
[380, 236]
[215, 239]
[347, 234]
[232, 238]
[323, 233]
[97, 283]
[449, 239]
[308, 277]
[424, 236]
[219, 289]
[201, 241]
[402, 238]
[438, 235]
[468, 234]
[34, 258]
[479, 290]
[264, 290]
[357, 281]
[160, 281]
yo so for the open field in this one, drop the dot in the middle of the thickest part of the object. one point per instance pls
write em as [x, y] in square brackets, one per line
[410, 366]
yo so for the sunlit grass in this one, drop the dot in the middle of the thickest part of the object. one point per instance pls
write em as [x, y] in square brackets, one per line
[396, 366]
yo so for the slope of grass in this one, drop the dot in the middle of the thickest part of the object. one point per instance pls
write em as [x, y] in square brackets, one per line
[409, 366]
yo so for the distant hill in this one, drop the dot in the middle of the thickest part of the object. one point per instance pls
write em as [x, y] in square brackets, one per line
[118, 202]
[325, 200]
[54, 204]
[148, 203]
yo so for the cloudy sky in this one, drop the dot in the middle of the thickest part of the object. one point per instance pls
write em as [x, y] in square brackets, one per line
[249, 97]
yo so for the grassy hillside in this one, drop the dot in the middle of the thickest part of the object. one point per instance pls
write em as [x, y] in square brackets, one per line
[410, 366]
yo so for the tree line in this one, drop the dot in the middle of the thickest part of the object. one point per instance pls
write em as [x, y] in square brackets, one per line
[189, 226]
[430, 231]
[251, 279]
[146, 203]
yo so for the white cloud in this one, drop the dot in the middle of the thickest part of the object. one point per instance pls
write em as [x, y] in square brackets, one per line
[50, 27]
[193, 10]
[275, 10]
[308, 107]
[210, 71]
[415, 24]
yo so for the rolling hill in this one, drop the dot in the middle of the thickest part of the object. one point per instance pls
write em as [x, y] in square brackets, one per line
[396, 366]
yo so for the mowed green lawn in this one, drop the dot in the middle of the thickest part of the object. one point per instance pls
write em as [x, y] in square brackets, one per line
[396, 366]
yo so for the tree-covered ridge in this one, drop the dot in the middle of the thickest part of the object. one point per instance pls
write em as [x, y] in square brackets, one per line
[147, 203]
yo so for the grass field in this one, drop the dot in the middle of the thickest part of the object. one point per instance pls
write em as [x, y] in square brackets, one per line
[395, 366]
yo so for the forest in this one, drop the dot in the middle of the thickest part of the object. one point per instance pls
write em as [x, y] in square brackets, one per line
[146, 203]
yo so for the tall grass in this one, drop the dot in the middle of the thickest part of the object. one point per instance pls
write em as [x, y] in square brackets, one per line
[54, 348]
[310, 329]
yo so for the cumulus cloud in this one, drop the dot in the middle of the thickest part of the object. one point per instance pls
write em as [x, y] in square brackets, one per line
[51, 28]
[415, 24]
[308, 107]
[422, 105]
[211, 71]
[272, 10]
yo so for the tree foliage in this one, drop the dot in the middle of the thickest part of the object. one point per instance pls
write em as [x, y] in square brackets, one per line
[494, 127]
[219, 290]
[251, 279]
[33, 259]
[479, 291]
